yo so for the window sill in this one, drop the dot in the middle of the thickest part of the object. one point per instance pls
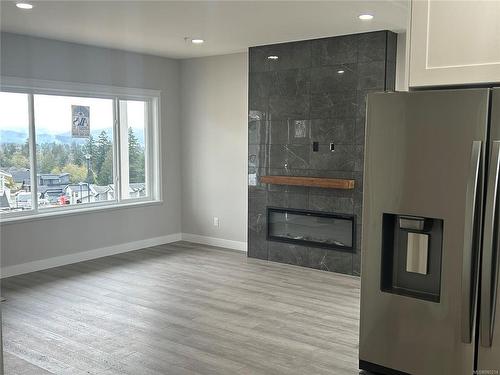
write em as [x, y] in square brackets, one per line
[5, 220]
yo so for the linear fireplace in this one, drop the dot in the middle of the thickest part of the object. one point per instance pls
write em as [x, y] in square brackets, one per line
[311, 228]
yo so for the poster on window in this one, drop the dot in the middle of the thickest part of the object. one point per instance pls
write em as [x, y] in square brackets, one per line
[80, 127]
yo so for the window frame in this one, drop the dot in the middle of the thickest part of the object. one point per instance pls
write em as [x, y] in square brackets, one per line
[152, 136]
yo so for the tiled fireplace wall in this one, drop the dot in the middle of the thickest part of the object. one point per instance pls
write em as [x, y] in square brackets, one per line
[314, 91]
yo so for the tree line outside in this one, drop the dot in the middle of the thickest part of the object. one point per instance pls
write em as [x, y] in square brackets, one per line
[55, 158]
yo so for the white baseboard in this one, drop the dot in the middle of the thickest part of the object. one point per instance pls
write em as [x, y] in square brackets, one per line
[214, 241]
[62, 260]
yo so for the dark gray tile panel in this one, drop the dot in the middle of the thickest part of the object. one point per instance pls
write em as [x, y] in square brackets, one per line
[334, 51]
[315, 92]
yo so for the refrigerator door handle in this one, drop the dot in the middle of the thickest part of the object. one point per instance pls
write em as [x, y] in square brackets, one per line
[489, 270]
[469, 285]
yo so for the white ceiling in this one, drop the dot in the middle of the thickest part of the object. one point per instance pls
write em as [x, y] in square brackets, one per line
[159, 27]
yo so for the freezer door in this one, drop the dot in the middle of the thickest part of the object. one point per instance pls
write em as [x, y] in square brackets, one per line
[489, 328]
[424, 158]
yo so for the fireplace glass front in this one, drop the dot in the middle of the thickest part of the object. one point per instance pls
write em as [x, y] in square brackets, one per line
[311, 228]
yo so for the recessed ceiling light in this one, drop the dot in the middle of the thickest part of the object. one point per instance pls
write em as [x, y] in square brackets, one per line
[272, 57]
[340, 71]
[24, 5]
[365, 17]
[197, 41]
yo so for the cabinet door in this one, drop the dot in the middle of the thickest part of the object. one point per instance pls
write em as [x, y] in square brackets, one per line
[454, 42]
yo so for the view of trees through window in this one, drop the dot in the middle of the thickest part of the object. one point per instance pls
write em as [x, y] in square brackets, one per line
[133, 118]
[14, 152]
[72, 168]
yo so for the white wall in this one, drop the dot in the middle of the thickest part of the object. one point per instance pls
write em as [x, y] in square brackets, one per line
[214, 146]
[37, 58]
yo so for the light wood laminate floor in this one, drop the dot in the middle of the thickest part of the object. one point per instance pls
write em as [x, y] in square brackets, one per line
[180, 308]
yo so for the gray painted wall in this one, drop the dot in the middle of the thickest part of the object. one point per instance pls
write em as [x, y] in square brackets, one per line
[401, 71]
[214, 145]
[38, 58]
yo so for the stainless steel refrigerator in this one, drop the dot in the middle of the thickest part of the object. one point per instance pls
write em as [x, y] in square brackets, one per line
[430, 239]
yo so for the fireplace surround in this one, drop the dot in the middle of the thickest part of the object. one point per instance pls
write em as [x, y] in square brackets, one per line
[306, 127]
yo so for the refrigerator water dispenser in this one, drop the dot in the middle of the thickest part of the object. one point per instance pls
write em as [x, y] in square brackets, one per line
[411, 256]
[417, 252]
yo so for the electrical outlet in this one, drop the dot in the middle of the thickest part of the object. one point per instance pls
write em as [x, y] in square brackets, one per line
[216, 221]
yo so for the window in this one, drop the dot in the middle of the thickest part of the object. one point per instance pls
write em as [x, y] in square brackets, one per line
[73, 170]
[133, 120]
[62, 150]
[15, 177]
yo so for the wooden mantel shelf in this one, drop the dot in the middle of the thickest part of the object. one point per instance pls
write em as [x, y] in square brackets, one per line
[328, 183]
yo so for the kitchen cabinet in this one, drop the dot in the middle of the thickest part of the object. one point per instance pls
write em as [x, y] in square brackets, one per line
[454, 43]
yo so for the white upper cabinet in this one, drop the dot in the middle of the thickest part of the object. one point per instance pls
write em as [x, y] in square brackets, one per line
[454, 42]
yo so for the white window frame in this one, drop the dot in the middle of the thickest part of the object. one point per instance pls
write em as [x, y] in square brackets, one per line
[152, 138]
